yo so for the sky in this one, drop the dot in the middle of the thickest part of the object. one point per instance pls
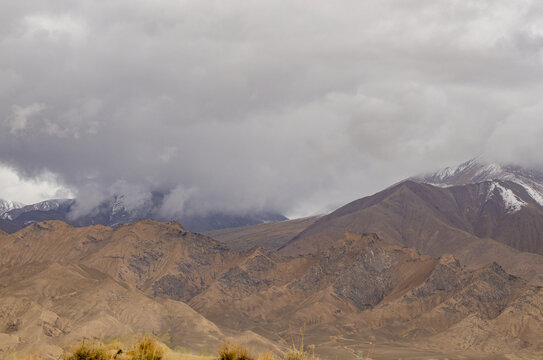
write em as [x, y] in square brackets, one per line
[290, 106]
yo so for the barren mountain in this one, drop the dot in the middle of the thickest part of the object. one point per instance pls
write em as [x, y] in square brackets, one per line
[362, 283]
[152, 256]
[470, 221]
[60, 282]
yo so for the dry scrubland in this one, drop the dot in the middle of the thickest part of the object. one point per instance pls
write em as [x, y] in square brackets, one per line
[148, 348]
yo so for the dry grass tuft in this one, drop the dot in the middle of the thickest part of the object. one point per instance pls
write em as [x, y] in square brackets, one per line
[298, 352]
[295, 354]
[233, 352]
[147, 349]
[87, 351]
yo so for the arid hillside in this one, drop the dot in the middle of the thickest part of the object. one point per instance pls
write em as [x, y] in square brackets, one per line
[270, 236]
[60, 284]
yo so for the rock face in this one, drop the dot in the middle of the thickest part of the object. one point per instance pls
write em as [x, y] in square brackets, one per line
[368, 284]
[361, 270]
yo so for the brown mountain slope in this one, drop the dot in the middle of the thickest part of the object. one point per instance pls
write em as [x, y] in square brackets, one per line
[47, 307]
[361, 287]
[438, 220]
[51, 241]
[413, 214]
[529, 266]
[158, 258]
[270, 236]
[398, 214]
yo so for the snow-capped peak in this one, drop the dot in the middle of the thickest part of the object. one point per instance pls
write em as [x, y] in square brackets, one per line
[6, 206]
[477, 170]
[449, 172]
[46, 205]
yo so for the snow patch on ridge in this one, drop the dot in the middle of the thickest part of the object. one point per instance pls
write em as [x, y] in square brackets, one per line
[534, 194]
[6, 206]
[489, 171]
[511, 201]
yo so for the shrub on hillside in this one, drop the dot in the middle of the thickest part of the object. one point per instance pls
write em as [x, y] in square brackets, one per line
[147, 349]
[233, 352]
[297, 354]
[87, 351]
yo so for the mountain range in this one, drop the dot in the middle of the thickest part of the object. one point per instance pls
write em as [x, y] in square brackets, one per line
[441, 266]
[61, 283]
[115, 211]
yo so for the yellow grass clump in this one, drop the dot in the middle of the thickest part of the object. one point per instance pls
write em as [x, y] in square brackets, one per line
[233, 352]
[87, 351]
[145, 349]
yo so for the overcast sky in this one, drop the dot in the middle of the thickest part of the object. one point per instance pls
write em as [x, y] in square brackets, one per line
[294, 106]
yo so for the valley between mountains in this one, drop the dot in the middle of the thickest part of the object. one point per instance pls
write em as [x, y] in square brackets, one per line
[430, 268]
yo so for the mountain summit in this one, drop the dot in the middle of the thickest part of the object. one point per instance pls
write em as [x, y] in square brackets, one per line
[478, 170]
[477, 211]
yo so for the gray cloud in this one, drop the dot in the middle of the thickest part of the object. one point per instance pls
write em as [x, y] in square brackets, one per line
[293, 106]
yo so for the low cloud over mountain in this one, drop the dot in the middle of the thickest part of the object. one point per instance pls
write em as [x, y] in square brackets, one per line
[278, 106]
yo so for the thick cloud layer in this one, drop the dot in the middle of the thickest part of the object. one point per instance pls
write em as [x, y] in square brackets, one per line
[294, 106]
